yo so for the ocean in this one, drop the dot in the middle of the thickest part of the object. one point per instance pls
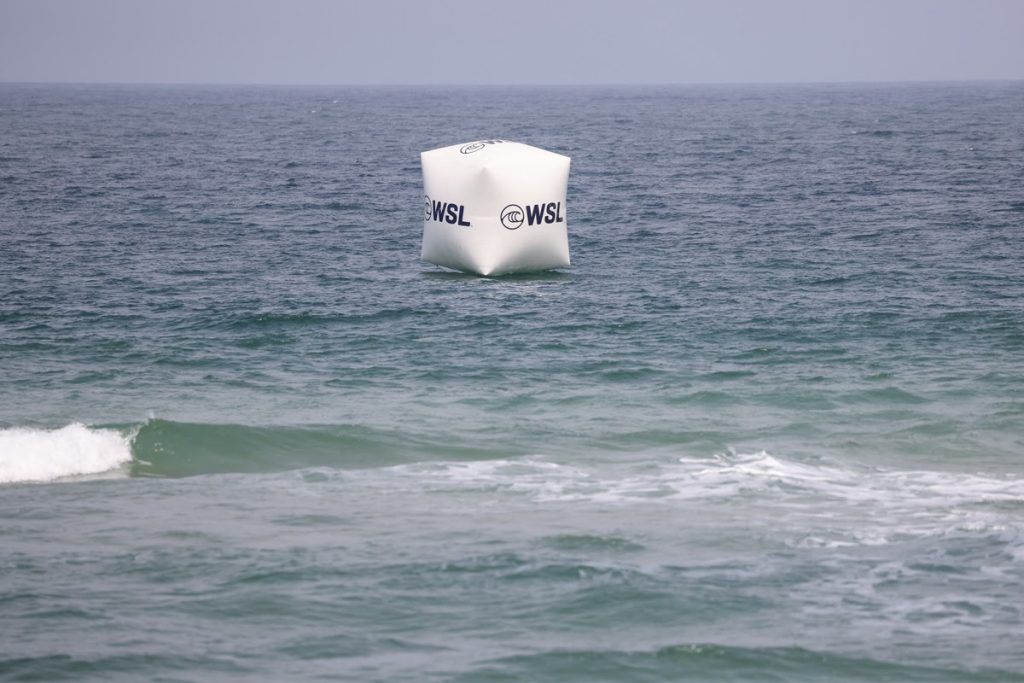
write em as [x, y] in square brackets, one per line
[768, 426]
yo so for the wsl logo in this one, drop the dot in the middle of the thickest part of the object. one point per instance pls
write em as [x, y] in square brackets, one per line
[513, 216]
[445, 212]
[471, 147]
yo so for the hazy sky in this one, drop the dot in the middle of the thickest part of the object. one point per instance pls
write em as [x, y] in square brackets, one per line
[515, 41]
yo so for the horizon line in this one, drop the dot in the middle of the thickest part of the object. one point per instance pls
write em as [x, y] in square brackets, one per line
[258, 84]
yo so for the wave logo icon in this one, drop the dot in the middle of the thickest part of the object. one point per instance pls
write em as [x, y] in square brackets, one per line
[471, 147]
[426, 208]
[512, 216]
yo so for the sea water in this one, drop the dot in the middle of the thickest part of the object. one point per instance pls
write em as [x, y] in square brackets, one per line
[768, 426]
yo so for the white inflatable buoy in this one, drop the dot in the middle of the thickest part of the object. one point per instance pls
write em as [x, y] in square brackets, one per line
[494, 207]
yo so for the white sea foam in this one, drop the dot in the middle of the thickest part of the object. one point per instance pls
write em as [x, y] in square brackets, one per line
[44, 455]
[725, 475]
[820, 502]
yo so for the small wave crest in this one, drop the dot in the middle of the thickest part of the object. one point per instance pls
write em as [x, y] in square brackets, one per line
[164, 448]
[41, 455]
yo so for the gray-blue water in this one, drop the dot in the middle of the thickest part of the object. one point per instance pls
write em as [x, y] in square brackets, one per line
[768, 426]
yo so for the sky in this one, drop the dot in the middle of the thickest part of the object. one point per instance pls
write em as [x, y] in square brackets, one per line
[557, 42]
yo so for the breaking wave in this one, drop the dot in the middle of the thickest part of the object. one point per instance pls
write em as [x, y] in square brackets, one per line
[28, 454]
[833, 503]
[165, 448]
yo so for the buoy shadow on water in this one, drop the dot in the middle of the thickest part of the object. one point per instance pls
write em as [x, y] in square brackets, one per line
[539, 276]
